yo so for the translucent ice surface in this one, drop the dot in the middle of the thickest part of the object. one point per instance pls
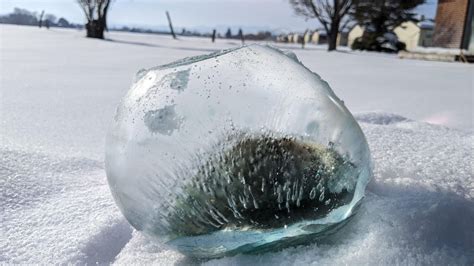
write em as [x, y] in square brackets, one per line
[240, 151]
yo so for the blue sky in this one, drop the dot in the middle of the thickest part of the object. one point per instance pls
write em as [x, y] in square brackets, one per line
[191, 14]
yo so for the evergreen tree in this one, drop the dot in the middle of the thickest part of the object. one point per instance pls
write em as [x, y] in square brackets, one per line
[228, 34]
[381, 16]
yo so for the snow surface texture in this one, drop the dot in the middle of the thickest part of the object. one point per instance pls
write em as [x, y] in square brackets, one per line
[58, 93]
[439, 50]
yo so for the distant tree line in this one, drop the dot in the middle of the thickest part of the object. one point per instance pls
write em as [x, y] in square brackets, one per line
[261, 35]
[25, 17]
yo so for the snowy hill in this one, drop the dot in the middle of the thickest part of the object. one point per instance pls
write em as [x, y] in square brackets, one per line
[59, 91]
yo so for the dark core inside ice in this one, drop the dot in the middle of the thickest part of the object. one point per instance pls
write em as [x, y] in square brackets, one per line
[260, 183]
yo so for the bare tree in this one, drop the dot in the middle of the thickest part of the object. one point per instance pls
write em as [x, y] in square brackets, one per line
[332, 14]
[96, 15]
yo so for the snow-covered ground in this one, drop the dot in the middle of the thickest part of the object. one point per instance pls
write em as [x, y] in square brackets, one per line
[58, 92]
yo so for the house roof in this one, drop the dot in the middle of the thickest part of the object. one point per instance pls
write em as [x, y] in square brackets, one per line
[426, 25]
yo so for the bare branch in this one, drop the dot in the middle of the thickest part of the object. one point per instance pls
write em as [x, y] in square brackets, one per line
[345, 25]
[96, 15]
[330, 13]
[84, 6]
[94, 9]
[318, 15]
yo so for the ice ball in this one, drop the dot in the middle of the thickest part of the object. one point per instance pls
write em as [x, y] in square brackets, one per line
[240, 151]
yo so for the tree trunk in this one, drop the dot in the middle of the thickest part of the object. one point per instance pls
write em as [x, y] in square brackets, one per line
[332, 35]
[332, 40]
[95, 29]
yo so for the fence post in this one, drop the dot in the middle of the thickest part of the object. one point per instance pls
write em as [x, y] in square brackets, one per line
[241, 35]
[40, 22]
[171, 25]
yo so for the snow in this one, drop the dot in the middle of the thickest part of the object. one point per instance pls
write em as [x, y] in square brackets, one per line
[58, 94]
[439, 50]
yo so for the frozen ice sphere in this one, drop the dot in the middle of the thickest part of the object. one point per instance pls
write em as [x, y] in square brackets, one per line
[240, 151]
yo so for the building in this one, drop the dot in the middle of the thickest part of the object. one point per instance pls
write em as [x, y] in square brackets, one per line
[295, 38]
[454, 24]
[426, 35]
[354, 33]
[411, 33]
[414, 34]
[342, 38]
[315, 37]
